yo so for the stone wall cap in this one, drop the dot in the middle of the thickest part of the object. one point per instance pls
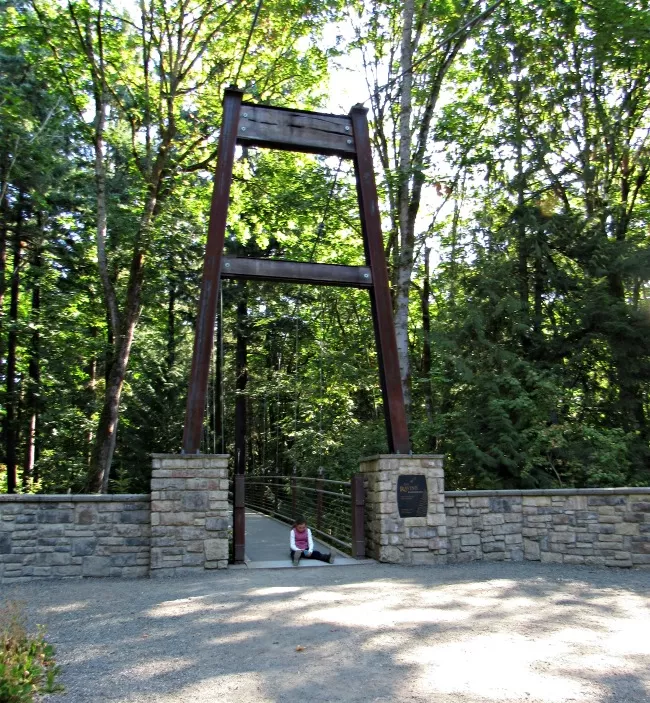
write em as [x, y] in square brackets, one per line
[374, 457]
[75, 498]
[549, 492]
[190, 456]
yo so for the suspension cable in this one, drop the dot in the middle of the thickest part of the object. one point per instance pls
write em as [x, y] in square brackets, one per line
[320, 230]
[295, 409]
[277, 415]
[248, 40]
[222, 387]
[320, 376]
[214, 363]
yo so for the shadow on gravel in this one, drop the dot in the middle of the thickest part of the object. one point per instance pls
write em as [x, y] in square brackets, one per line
[466, 634]
[625, 687]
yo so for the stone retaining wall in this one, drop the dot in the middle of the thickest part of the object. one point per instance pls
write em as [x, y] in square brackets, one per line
[181, 528]
[56, 536]
[603, 526]
[189, 513]
[409, 540]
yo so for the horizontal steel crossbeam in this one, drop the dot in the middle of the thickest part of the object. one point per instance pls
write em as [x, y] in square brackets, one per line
[296, 130]
[297, 272]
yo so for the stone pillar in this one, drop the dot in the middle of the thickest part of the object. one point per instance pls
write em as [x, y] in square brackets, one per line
[404, 540]
[189, 513]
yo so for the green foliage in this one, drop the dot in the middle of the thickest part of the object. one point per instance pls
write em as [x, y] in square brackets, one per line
[27, 665]
[312, 389]
[540, 368]
[582, 456]
[534, 370]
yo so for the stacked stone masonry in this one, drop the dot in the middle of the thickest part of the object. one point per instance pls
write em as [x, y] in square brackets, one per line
[389, 538]
[594, 526]
[66, 536]
[607, 527]
[182, 528]
[189, 513]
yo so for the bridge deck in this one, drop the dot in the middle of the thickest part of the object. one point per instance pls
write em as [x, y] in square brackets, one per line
[267, 546]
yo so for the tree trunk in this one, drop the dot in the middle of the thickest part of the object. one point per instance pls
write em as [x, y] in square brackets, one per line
[403, 276]
[453, 262]
[425, 366]
[91, 387]
[34, 369]
[102, 455]
[104, 447]
[539, 288]
[410, 168]
[522, 244]
[11, 400]
[171, 325]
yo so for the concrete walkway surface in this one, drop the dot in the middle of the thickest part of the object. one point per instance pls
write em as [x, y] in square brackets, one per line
[474, 633]
[267, 546]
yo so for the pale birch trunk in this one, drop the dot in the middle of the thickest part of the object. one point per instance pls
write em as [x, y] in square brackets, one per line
[406, 229]
[410, 129]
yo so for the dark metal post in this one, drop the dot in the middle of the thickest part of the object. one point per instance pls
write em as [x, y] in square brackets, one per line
[294, 497]
[211, 272]
[319, 502]
[358, 517]
[382, 312]
[239, 518]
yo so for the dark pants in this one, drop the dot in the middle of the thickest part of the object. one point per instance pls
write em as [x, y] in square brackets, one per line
[314, 555]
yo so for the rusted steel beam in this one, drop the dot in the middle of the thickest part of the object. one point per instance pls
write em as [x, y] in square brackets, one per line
[295, 130]
[358, 517]
[382, 313]
[297, 272]
[299, 131]
[211, 269]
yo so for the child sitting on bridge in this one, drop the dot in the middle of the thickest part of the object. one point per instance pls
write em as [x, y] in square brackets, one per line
[302, 544]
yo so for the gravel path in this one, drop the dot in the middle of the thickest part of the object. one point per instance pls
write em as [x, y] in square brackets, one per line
[469, 634]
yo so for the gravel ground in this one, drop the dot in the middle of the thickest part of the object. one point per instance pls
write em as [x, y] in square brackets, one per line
[468, 634]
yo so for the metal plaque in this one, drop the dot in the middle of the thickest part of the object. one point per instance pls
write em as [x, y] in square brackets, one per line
[412, 496]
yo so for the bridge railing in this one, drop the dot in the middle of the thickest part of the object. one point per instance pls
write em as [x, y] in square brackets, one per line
[333, 509]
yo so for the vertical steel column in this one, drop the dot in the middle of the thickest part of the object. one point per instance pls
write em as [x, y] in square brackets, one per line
[211, 273]
[358, 517]
[382, 312]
